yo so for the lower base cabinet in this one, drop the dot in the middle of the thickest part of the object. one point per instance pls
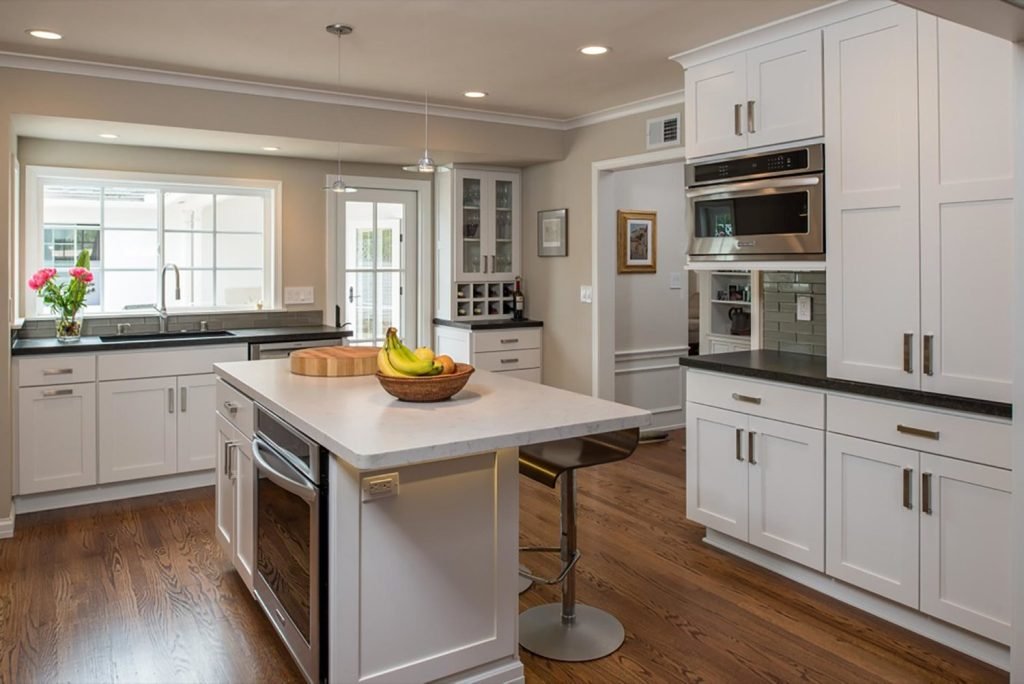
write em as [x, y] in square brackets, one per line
[56, 437]
[234, 498]
[138, 429]
[515, 352]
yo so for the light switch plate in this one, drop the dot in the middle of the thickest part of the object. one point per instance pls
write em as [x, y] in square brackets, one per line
[586, 294]
[675, 281]
[298, 295]
[380, 486]
[803, 307]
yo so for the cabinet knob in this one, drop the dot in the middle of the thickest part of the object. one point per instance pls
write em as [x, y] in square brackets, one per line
[231, 407]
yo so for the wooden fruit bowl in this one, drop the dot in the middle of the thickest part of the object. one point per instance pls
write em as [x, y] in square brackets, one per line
[432, 388]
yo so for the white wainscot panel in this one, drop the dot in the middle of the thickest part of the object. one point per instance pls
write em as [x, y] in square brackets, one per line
[652, 379]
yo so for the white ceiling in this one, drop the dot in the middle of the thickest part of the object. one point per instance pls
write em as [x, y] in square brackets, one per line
[522, 52]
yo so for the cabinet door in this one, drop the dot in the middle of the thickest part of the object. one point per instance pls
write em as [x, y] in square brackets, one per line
[137, 428]
[966, 546]
[787, 490]
[503, 244]
[871, 198]
[871, 520]
[469, 215]
[716, 94]
[784, 98]
[967, 172]
[197, 422]
[56, 437]
[228, 437]
[716, 469]
[244, 475]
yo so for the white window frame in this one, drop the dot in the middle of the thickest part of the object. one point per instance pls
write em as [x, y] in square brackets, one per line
[35, 176]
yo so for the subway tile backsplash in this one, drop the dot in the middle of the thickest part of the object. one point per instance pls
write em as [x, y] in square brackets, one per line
[780, 329]
[107, 325]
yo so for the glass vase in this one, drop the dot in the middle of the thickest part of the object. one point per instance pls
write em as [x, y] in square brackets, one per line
[69, 328]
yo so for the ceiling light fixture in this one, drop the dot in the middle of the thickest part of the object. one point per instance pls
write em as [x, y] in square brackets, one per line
[339, 185]
[593, 50]
[426, 163]
[271, 148]
[44, 34]
[476, 94]
[109, 136]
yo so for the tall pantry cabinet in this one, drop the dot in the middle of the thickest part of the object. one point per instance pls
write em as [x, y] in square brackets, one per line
[923, 227]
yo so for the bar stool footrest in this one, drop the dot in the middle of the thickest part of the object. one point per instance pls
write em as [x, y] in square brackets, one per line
[524, 572]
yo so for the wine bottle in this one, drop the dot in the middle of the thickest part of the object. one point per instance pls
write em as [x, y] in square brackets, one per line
[518, 301]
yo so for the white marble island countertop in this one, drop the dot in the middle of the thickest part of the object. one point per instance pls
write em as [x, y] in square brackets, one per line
[359, 422]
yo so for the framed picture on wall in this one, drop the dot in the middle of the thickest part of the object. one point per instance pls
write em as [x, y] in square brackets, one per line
[553, 232]
[638, 241]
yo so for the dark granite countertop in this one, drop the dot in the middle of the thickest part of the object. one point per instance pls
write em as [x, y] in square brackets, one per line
[500, 324]
[50, 345]
[812, 371]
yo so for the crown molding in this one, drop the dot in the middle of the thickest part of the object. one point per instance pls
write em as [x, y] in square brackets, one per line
[75, 67]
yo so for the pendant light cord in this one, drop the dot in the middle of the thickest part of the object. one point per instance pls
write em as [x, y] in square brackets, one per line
[426, 122]
[339, 91]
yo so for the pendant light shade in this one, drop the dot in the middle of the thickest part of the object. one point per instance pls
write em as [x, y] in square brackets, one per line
[426, 163]
[339, 186]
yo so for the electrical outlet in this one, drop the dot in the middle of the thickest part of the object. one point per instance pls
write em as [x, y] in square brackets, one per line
[380, 486]
[803, 307]
[298, 295]
[586, 294]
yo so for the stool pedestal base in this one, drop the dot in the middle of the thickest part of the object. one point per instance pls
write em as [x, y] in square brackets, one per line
[593, 635]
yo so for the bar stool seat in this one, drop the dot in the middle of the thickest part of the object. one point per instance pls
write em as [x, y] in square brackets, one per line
[569, 631]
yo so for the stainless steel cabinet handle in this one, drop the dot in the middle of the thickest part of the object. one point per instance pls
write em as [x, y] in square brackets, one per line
[736, 119]
[908, 352]
[750, 448]
[917, 432]
[184, 399]
[59, 393]
[746, 398]
[225, 468]
[739, 439]
[231, 407]
[510, 340]
[750, 117]
[170, 400]
[926, 493]
[510, 360]
[926, 361]
[908, 476]
[58, 371]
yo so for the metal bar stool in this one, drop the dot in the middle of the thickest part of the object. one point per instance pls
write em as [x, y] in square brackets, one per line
[570, 631]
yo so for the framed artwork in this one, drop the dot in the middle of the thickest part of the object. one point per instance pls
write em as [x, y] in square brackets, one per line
[553, 232]
[638, 241]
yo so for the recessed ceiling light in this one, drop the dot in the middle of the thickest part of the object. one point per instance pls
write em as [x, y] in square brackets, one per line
[475, 93]
[109, 136]
[594, 50]
[44, 34]
[271, 148]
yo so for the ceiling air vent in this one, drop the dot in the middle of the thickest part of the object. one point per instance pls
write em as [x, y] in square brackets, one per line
[663, 131]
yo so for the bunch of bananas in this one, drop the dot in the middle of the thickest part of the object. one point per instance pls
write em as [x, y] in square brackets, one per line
[397, 360]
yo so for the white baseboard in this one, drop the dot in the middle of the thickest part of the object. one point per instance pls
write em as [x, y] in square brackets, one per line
[30, 503]
[946, 634]
[7, 526]
[506, 671]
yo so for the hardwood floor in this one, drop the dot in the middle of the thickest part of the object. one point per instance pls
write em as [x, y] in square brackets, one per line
[138, 591]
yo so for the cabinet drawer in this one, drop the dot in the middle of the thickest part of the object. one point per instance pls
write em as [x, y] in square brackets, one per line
[508, 360]
[235, 407]
[56, 370]
[502, 340]
[767, 400]
[981, 440]
[164, 362]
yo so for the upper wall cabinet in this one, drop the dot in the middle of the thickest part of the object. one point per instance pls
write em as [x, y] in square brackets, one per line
[768, 95]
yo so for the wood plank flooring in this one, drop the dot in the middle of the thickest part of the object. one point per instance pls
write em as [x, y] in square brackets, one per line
[139, 591]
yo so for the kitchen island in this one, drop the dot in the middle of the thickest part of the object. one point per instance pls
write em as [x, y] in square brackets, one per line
[422, 514]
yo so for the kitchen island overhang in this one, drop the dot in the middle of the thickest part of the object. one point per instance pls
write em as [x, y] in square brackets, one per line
[423, 584]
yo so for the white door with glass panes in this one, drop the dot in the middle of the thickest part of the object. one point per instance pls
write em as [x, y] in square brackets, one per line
[377, 247]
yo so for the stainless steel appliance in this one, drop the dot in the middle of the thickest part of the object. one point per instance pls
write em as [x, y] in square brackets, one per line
[281, 350]
[762, 206]
[290, 502]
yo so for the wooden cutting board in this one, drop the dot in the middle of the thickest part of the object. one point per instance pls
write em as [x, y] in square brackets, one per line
[334, 362]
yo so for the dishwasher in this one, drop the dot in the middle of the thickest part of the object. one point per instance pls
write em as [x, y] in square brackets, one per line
[281, 350]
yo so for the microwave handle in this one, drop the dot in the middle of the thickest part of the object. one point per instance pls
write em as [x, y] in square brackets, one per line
[264, 455]
[784, 182]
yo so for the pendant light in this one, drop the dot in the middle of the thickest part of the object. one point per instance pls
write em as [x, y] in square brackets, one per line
[339, 185]
[426, 163]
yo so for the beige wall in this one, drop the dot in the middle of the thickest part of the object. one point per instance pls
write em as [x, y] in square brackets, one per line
[552, 284]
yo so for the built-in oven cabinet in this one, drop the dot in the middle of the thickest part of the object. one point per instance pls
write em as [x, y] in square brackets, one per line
[234, 498]
[765, 96]
[920, 292]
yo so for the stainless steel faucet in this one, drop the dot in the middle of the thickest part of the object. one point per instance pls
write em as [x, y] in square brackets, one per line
[162, 309]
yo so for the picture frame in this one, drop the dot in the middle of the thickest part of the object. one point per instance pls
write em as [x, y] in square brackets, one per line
[553, 233]
[638, 241]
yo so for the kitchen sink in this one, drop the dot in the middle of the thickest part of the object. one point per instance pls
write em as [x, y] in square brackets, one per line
[150, 337]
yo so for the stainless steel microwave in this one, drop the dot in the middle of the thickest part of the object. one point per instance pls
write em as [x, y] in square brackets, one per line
[765, 206]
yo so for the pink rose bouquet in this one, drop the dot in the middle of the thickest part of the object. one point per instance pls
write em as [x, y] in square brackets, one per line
[67, 298]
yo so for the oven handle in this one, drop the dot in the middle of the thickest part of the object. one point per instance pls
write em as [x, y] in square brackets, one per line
[785, 182]
[263, 454]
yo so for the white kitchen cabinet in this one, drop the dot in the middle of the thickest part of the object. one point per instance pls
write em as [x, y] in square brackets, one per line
[871, 197]
[197, 423]
[722, 345]
[137, 429]
[716, 469]
[872, 517]
[56, 437]
[516, 351]
[967, 209]
[768, 95]
[966, 545]
[243, 472]
[227, 438]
